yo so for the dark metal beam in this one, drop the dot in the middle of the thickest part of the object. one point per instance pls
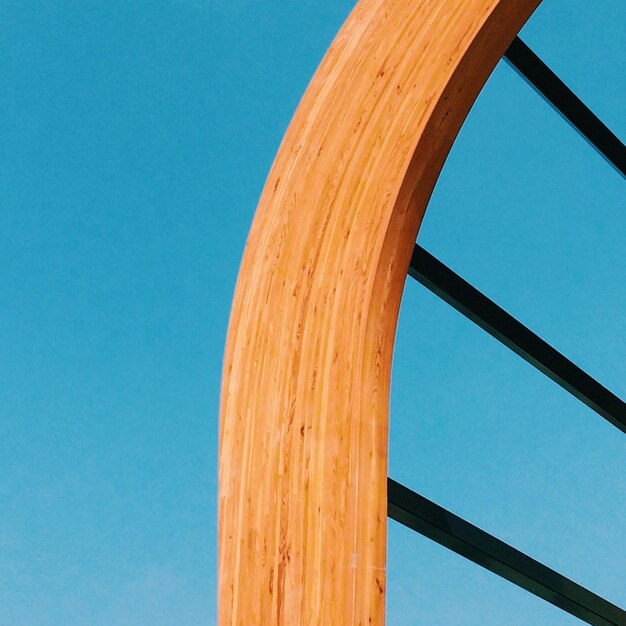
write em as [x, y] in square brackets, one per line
[436, 523]
[567, 103]
[442, 281]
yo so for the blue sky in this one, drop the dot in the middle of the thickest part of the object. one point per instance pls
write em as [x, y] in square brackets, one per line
[135, 140]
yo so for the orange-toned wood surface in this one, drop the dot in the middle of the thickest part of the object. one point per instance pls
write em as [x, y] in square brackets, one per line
[304, 414]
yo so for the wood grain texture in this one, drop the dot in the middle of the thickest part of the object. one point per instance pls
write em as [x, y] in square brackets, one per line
[304, 413]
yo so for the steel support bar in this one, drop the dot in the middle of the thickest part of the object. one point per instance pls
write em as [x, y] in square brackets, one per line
[436, 523]
[442, 281]
[567, 103]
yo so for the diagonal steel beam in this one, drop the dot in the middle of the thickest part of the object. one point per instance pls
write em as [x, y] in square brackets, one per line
[449, 530]
[449, 286]
[567, 103]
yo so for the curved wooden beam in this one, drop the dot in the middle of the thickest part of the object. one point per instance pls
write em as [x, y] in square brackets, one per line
[304, 414]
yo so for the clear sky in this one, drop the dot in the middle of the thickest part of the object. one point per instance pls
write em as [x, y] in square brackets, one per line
[135, 137]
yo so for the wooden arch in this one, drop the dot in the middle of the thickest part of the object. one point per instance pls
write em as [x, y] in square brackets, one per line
[304, 408]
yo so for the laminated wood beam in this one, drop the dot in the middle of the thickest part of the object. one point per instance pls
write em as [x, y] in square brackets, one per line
[304, 406]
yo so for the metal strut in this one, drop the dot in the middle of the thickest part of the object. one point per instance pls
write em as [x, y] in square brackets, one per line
[567, 103]
[458, 293]
[449, 530]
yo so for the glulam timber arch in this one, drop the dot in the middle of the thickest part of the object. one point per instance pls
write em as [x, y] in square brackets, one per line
[304, 407]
